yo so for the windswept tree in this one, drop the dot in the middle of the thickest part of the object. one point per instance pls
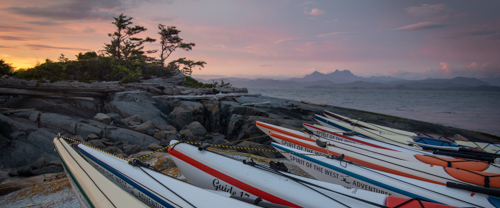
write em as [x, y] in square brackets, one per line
[170, 40]
[187, 69]
[124, 46]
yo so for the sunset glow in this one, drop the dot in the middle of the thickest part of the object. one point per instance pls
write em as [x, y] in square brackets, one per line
[280, 38]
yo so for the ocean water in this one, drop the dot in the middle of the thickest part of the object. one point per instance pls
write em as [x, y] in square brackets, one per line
[472, 110]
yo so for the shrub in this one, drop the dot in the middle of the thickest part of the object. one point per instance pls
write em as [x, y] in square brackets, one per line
[193, 83]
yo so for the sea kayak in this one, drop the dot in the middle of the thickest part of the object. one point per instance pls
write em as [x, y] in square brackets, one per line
[250, 180]
[431, 174]
[154, 188]
[91, 188]
[367, 125]
[369, 133]
[359, 177]
[383, 154]
[333, 134]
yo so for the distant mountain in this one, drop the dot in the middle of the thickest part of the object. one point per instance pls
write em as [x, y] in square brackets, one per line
[346, 80]
[344, 76]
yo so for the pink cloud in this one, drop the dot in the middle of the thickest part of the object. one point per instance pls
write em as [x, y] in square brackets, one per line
[445, 67]
[472, 65]
[315, 11]
[393, 71]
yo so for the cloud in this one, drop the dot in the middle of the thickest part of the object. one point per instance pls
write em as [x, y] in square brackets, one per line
[472, 65]
[421, 26]
[46, 47]
[394, 71]
[315, 11]
[44, 23]
[72, 10]
[12, 29]
[427, 10]
[9, 47]
[12, 38]
[445, 67]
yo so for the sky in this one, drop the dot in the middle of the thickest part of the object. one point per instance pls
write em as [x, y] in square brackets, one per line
[273, 38]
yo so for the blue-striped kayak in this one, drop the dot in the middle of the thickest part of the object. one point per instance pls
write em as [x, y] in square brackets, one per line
[154, 188]
[359, 177]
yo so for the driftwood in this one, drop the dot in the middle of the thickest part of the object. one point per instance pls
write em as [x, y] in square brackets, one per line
[253, 104]
[39, 93]
[11, 110]
[311, 103]
[204, 97]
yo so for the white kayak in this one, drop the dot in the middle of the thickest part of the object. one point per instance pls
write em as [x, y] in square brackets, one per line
[333, 134]
[246, 179]
[487, 147]
[383, 154]
[91, 188]
[154, 188]
[363, 178]
[398, 139]
[433, 174]
[367, 125]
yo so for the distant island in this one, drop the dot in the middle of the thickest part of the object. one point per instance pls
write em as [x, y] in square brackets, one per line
[347, 80]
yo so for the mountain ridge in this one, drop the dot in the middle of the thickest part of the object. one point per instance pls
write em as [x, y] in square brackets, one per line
[345, 79]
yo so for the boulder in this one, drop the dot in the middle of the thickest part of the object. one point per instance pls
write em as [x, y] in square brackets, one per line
[162, 134]
[154, 147]
[197, 129]
[97, 143]
[166, 128]
[180, 117]
[55, 163]
[41, 162]
[143, 128]
[173, 136]
[103, 118]
[132, 120]
[92, 137]
[131, 149]
[78, 138]
[142, 105]
[113, 150]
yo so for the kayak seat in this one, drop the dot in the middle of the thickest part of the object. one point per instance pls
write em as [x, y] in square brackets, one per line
[481, 178]
[453, 163]
[392, 201]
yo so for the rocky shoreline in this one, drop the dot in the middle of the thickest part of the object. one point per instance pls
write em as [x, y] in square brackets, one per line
[132, 118]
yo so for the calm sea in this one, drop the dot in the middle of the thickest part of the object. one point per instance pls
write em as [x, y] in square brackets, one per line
[479, 111]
